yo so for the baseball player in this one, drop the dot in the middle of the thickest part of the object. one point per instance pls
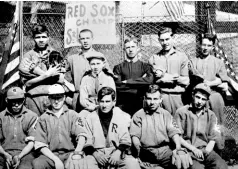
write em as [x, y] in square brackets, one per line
[60, 135]
[35, 63]
[132, 74]
[16, 132]
[108, 127]
[212, 71]
[95, 79]
[152, 130]
[78, 64]
[199, 128]
[170, 68]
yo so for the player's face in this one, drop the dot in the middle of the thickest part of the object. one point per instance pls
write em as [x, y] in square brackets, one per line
[57, 101]
[207, 47]
[41, 40]
[96, 65]
[131, 49]
[199, 100]
[153, 100]
[16, 105]
[106, 104]
[166, 41]
[86, 40]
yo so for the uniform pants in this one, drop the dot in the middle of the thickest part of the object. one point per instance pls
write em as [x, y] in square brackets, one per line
[43, 162]
[37, 104]
[129, 162]
[171, 102]
[212, 161]
[217, 105]
[25, 162]
[156, 158]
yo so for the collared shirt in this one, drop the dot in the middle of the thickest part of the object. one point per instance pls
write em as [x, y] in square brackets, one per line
[90, 86]
[210, 68]
[154, 129]
[58, 133]
[197, 130]
[136, 72]
[16, 131]
[78, 65]
[174, 62]
[133, 60]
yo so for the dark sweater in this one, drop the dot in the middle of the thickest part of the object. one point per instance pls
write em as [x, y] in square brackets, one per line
[133, 72]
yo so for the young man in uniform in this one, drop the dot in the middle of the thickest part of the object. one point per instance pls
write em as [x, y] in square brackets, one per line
[213, 72]
[152, 130]
[35, 63]
[16, 132]
[78, 63]
[60, 134]
[198, 125]
[170, 67]
[133, 73]
[94, 80]
[108, 127]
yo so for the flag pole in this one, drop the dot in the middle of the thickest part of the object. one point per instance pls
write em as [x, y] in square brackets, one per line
[21, 27]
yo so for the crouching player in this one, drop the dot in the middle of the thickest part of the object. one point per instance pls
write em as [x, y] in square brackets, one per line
[110, 136]
[155, 134]
[56, 131]
[16, 132]
[199, 128]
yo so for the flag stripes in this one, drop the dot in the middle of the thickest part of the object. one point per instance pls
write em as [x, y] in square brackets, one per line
[11, 56]
[219, 53]
[175, 9]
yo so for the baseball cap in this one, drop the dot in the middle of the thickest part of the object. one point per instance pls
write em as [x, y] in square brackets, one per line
[97, 55]
[56, 89]
[203, 87]
[15, 93]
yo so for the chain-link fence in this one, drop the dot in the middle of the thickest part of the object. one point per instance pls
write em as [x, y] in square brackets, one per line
[52, 14]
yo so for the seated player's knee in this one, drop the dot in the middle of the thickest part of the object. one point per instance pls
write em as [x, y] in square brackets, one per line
[38, 164]
[216, 98]
[131, 162]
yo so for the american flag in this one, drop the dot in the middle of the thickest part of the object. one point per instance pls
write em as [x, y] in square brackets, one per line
[11, 56]
[175, 9]
[219, 53]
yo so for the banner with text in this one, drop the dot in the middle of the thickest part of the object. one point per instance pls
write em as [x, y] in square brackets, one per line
[96, 16]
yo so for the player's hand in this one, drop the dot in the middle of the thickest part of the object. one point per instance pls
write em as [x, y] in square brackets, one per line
[198, 153]
[8, 158]
[58, 164]
[52, 71]
[16, 161]
[115, 157]
[158, 73]
[181, 159]
[101, 158]
[124, 81]
[168, 78]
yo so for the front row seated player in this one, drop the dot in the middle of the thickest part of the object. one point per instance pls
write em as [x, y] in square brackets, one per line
[155, 135]
[199, 128]
[60, 135]
[110, 138]
[16, 132]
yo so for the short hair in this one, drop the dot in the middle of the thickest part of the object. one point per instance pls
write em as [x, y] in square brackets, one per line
[153, 89]
[38, 29]
[131, 38]
[163, 30]
[86, 30]
[210, 37]
[104, 91]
